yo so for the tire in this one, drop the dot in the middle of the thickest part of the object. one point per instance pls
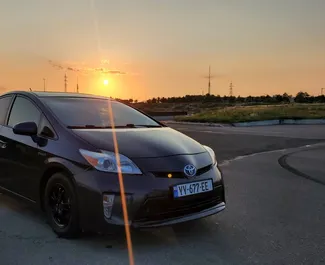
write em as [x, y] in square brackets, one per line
[62, 216]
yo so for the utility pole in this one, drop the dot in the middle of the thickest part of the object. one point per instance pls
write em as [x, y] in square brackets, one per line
[230, 89]
[209, 77]
[77, 85]
[65, 82]
[322, 91]
[209, 84]
[44, 88]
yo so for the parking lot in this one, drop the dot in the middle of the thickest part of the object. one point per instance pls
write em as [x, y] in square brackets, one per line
[275, 214]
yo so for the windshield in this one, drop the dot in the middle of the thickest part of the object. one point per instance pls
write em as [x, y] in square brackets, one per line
[88, 112]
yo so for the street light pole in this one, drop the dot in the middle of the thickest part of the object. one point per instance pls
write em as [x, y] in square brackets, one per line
[77, 85]
[44, 83]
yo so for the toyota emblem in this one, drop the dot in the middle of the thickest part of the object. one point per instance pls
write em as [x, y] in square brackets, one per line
[190, 170]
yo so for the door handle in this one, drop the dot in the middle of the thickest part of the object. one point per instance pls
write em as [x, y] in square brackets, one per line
[3, 145]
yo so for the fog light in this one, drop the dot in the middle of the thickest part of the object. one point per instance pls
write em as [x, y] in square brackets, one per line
[108, 202]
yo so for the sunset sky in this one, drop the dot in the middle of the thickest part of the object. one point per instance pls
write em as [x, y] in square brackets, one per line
[150, 48]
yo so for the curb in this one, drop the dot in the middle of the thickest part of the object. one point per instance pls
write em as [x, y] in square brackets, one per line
[281, 122]
[254, 123]
[198, 123]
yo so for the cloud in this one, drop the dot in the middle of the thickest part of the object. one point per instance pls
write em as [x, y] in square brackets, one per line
[107, 71]
[73, 63]
[55, 65]
[86, 70]
[73, 69]
[104, 61]
[114, 72]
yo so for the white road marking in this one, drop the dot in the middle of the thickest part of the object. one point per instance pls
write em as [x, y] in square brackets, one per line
[207, 131]
[245, 132]
[296, 131]
[240, 132]
[227, 162]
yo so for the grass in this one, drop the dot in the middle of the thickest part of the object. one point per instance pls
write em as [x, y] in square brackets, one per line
[258, 113]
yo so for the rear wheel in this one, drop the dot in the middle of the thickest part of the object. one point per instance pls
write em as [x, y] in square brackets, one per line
[61, 206]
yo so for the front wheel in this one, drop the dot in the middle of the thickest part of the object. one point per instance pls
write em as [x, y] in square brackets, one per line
[61, 206]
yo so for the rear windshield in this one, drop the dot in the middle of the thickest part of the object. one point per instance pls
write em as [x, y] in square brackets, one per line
[79, 112]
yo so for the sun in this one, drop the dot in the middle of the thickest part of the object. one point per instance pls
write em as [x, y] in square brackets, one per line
[105, 82]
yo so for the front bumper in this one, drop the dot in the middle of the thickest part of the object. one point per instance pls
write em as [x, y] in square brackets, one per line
[175, 220]
[149, 199]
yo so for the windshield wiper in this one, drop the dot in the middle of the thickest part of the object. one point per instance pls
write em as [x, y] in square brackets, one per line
[88, 126]
[130, 125]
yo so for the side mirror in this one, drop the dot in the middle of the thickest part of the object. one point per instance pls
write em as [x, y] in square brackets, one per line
[26, 128]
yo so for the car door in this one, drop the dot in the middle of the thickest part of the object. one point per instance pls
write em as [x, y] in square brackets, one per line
[5, 102]
[21, 151]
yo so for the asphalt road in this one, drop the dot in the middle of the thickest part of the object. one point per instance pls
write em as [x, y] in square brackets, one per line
[275, 213]
[230, 142]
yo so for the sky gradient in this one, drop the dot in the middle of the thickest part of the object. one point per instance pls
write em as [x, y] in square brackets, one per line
[150, 48]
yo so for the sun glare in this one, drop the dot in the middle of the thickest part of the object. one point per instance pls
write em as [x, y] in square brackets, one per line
[105, 82]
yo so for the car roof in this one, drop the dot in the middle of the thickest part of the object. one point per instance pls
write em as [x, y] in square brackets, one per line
[42, 94]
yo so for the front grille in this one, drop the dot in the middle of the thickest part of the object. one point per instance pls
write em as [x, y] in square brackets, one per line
[160, 208]
[181, 175]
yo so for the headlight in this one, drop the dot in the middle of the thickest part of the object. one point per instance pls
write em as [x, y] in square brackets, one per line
[212, 154]
[106, 161]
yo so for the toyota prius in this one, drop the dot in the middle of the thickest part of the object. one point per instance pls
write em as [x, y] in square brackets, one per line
[88, 161]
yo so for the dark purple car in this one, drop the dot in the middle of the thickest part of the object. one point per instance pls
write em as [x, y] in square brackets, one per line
[65, 151]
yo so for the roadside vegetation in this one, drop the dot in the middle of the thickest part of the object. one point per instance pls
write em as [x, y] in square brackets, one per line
[193, 104]
[257, 113]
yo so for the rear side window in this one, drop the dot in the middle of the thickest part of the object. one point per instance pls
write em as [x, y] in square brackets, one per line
[4, 106]
[23, 110]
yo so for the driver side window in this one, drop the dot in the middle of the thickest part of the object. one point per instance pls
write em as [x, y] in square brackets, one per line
[23, 110]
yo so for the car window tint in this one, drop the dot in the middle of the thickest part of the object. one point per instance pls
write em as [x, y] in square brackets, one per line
[87, 111]
[23, 110]
[4, 105]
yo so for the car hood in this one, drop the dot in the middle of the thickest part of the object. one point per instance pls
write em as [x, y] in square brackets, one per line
[142, 142]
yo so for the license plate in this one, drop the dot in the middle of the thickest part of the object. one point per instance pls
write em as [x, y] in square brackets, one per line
[192, 188]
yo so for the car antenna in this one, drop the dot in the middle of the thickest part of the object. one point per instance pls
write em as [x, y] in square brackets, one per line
[30, 89]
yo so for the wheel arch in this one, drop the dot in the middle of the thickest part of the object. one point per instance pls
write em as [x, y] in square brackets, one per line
[52, 169]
